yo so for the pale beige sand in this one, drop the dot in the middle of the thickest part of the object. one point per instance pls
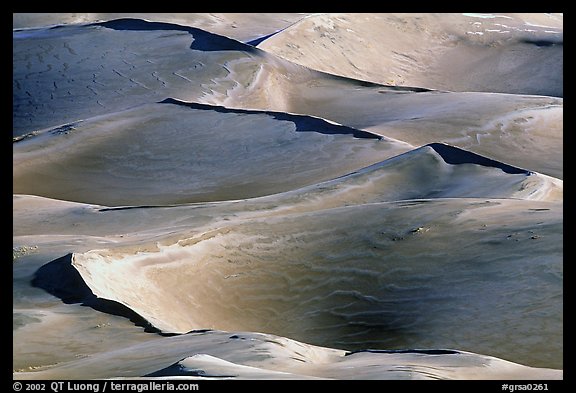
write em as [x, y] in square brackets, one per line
[240, 26]
[274, 256]
[226, 355]
[525, 131]
[170, 153]
[108, 80]
[518, 53]
[495, 224]
[295, 276]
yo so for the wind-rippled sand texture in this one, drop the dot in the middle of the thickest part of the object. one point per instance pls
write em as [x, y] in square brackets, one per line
[225, 212]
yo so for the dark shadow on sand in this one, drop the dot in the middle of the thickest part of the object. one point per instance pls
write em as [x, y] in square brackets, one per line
[177, 369]
[210, 42]
[303, 123]
[419, 351]
[203, 40]
[453, 155]
[257, 41]
[543, 42]
[59, 278]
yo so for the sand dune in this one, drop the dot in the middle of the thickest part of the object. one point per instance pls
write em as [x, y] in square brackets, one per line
[292, 246]
[241, 76]
[292, 276]
[225, 355]
[182, 147]
[240, 26]
[158, 60]
[288, 196]
[525, 131]
[518, 53]
[106, 78]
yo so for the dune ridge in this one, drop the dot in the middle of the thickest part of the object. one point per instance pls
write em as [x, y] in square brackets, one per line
[245, 79]
[325, 206]
[456, 52]
[180, 145]
[240, 26]
[282, 358]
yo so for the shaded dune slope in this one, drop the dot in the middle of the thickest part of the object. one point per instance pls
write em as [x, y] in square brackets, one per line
[420, 174]
[303, 123]
[60, 279]
[188, 64]
[239, 26]
[328, 255]
[526, 131]
[162, 60]
[225, 355]
[187, 150]
[159, 63]
[202, 40]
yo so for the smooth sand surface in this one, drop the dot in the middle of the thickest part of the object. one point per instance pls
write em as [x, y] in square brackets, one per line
[244, 27]
[506, 53]
[193, 65]
[225, 355]
[188, 152]
[288, 196]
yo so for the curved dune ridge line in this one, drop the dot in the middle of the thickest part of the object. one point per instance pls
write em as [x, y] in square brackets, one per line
[287, 196]
[257, 158]
[420, 174]
[187, 149]
[288, 217]
[517, 53]
[157, 60]
[206, 366]
[240, 26]
[106, 272]
[241, 355]
[161, 60]
[181, 148]
[346, 268]
[526, 131]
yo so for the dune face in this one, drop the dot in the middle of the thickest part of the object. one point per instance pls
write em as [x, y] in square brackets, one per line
[191, 64]
[225, 356]
[525, 131]
[288, 196]
[518, 53]
[315, 269]
[187, 151]
[243, 27]
[346, 286]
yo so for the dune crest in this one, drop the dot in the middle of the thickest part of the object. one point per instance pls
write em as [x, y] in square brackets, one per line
[455, 52]
[231, 356]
